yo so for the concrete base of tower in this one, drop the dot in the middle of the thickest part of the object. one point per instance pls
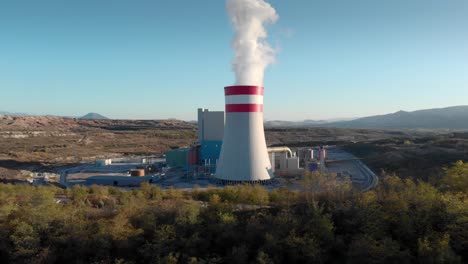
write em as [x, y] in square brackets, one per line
[259, 182]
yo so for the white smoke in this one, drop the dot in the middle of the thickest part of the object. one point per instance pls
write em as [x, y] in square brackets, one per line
[252, 54]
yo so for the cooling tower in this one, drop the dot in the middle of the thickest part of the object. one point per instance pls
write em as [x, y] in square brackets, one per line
[244, 156]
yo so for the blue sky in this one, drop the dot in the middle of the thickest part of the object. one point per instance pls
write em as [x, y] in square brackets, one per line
[165, 58]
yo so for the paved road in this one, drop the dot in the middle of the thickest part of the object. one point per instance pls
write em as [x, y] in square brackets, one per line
[346, 164]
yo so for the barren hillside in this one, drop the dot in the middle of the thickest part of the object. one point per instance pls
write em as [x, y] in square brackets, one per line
[39, 142]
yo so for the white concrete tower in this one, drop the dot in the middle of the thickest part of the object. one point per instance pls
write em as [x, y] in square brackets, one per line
[244, 156]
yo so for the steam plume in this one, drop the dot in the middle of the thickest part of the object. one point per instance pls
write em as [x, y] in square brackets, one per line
[252, 54]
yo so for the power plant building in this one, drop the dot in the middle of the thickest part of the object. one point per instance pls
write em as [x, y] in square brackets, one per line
[210, 135]
[178, 158]
[233, 145]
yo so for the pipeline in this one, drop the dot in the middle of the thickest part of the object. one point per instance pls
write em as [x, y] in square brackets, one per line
[280, 149]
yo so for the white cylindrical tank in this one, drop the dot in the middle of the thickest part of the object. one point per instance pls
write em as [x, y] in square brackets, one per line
[244, 156]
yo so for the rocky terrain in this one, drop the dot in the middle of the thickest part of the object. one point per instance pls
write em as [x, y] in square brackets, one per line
[36, 143]
[50, 123]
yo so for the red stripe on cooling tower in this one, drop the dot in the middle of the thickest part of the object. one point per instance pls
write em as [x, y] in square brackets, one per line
[242, 108]
[243, 89]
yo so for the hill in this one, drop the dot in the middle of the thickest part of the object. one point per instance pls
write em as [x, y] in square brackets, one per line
[12, 114]
[305, 123]
[455, 117]
[94, 116]
[27, 124]
[33, 142]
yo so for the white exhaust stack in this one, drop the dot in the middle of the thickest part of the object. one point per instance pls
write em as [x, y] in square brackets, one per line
[244, 155]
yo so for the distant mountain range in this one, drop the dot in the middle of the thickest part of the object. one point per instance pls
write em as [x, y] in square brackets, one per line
[455, 117]
[305, 123]
[12, 114]
[93, 116]
[87, 116]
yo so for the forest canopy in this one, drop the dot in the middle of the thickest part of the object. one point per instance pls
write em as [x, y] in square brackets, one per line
[401, 221]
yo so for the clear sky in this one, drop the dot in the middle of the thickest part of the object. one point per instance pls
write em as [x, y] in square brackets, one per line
[156, 59]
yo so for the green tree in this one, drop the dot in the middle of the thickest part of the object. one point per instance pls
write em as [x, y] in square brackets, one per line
[436, 249]
[456, 178]
[365, 249]
[26, 241]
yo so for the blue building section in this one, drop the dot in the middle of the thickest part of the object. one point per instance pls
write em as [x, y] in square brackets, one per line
[313, 167]
[210, 151]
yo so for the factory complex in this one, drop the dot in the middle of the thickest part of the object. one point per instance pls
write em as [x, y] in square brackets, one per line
[231, 146]
[200, 161]
[230, 149]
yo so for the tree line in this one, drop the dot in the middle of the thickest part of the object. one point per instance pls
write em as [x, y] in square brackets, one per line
[400, 221]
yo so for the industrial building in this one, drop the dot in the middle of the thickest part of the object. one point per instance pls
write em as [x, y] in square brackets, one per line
[284, 162]
[210, 135]
[235, 149]
[206, 152]
[182, 157]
